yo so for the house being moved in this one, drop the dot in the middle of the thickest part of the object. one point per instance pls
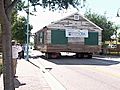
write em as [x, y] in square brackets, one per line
[74, 33]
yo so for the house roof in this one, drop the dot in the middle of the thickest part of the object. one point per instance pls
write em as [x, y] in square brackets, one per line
[72, 15]
[92, 22]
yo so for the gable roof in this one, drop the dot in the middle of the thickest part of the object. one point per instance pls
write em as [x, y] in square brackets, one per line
[91, 22]
[80, 16]
[50, 25]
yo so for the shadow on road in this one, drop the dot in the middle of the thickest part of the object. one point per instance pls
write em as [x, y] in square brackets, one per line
[71, 60]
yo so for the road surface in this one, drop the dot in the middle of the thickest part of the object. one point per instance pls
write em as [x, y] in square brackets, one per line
[98, 73]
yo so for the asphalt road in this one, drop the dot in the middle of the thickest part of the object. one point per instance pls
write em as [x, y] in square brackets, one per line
[98, 73]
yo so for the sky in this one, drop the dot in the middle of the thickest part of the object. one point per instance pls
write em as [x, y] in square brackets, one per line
[106, 7]
[43, 17]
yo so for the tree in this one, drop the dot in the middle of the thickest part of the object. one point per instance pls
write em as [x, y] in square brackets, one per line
[6, 8]
[117, 35]
[19, 30]
[101, 21]
[19, 23]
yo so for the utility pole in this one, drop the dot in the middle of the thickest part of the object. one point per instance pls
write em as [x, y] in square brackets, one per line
[27, 52]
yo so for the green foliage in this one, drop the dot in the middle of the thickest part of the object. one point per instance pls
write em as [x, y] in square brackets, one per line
[19, 23]
[19, 30]
[101, 21]
[14, 16]
[34, 1]
[20, 5]
[56, 4]
[118, 37]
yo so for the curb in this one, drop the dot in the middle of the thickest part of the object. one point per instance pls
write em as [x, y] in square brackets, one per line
[52, 81]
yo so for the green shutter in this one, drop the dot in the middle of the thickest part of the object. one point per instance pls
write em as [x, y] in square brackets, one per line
[92, 38]
[58, 37]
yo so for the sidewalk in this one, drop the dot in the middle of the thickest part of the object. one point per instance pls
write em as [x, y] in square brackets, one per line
[29, 77]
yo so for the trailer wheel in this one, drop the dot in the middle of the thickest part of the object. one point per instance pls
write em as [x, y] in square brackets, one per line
[79, 55]
[48, 55]
[89, 56]
[55, 55]
[52, 55]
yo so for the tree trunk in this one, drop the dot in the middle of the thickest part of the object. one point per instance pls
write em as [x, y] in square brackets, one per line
[6, 49]
[7, 60]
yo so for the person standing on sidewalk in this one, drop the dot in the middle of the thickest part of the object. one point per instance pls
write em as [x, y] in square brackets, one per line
[20, 49]
[15, 50]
